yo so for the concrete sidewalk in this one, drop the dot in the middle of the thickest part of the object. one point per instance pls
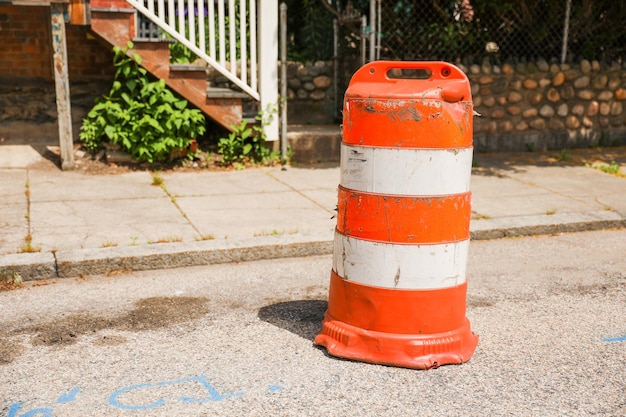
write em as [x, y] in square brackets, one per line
[63, 224]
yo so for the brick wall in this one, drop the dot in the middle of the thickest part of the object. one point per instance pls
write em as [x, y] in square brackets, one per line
[27, 92]
[25, 49]
[25, 46]
[88, 57]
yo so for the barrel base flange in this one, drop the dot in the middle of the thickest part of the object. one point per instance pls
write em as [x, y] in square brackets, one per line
[403, 350]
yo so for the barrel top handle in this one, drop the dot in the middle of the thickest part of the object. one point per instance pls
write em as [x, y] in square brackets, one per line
[404, 79]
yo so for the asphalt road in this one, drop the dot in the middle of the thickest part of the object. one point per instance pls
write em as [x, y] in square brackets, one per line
[236, 340]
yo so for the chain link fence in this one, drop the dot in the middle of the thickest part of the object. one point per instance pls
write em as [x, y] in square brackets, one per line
[469, 30]
[461, 30]
[352, 32]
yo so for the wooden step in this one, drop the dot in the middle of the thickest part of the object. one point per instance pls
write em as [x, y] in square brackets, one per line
[114, 27]
[315, 143]
[215, 92]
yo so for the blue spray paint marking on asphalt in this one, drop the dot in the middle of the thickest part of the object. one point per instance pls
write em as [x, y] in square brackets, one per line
[214, 395]
[68, 397]
[615, 339]
[40, 412]
[43, 412]
[114, 399]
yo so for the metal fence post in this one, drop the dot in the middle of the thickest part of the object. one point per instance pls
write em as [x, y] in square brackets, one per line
[372, 33]
[363, 39]
[335, 66]
[568, 8]
[283, 82]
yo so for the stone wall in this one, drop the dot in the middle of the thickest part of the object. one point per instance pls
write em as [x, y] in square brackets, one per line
[540, 106]
[28, 107]
[526, 106]
[310, 93]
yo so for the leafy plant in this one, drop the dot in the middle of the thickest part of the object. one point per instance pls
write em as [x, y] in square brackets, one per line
[142, 116]
[234, 148]
[180, 54]
[613, 168]
[247, 144]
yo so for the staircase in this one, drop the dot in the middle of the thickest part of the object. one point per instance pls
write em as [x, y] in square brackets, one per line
[251, 71]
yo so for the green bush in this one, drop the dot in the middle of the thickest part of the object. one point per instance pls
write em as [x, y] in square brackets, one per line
[142, 116]
[247, 144]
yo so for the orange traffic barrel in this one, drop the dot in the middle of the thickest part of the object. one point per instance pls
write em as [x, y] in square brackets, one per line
[398, 283]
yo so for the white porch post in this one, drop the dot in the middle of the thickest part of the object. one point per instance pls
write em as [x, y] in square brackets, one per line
[268, 62]
[61, 81]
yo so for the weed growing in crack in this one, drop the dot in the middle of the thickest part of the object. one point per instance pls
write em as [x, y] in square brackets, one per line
[157, 180]
[27, 246]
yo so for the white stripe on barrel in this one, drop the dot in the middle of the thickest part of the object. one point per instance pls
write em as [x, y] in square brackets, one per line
[410, 267]
[403, 171]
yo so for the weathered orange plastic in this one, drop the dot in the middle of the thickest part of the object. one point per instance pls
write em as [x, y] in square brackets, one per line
[408, 113]
[410, 329]
[418, 329]
[403, 219]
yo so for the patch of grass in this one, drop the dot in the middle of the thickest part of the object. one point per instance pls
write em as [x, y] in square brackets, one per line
[565, 155]
[613, 168]
[10, 281]
[207, 237]
[167, 240]
[275, 233]
[550, 212]
[109, 244]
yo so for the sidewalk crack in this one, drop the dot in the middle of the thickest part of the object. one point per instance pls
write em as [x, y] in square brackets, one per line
[300, 193]
[179, 208]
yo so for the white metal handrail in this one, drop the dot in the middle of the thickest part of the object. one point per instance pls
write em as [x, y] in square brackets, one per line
[231, 44]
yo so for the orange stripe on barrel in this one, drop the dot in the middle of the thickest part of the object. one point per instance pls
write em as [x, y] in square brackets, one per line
[408, 123]
[386, 310]
[403, 219]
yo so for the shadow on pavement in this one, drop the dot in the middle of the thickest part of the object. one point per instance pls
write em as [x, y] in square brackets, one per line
[499, 163]
[301, 317]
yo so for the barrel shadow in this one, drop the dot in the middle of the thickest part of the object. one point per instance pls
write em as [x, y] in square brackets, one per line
[300, 317]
